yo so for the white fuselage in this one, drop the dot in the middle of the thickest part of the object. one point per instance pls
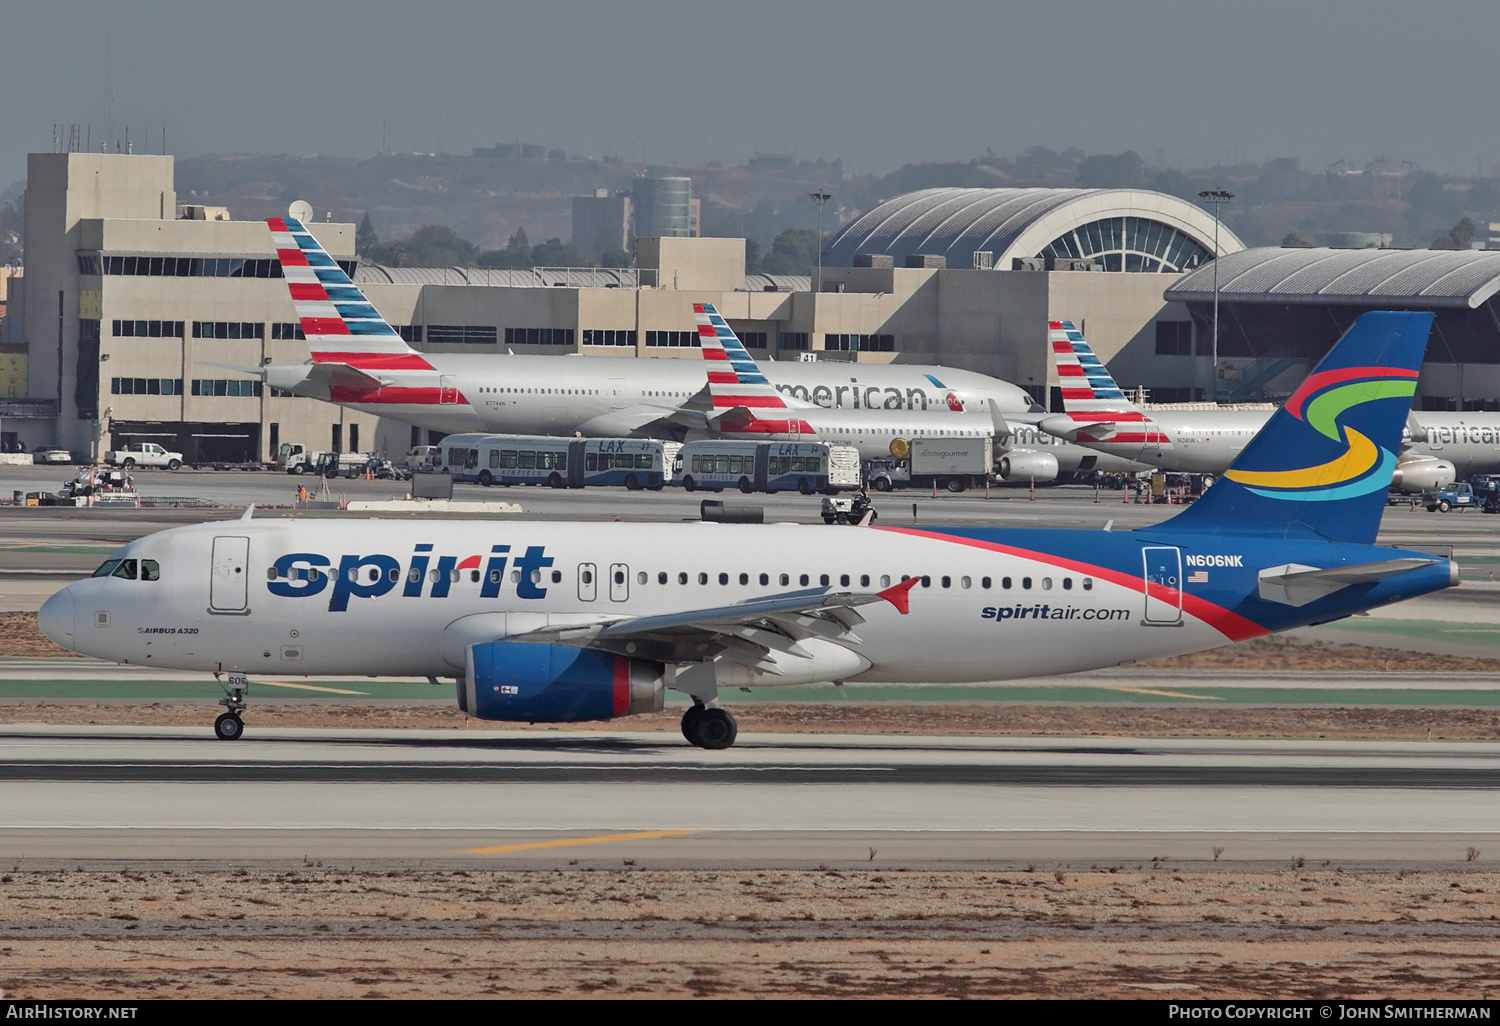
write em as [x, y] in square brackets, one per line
[1209, 441]
[605, 397]
[214, 607]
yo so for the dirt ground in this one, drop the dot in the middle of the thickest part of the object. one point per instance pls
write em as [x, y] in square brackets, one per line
[1099, 932]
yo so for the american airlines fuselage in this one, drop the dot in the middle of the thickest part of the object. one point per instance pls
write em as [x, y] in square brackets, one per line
[615, 397]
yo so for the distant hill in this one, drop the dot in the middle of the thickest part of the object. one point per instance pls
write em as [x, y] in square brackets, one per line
[486, 199]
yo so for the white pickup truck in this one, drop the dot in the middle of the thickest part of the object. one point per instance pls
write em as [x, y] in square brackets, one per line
[143, 454]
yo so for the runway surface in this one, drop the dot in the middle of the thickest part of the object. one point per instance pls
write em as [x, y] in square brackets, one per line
[167, 795]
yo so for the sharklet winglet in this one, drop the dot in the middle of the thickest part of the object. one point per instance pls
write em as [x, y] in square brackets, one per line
[899, 595]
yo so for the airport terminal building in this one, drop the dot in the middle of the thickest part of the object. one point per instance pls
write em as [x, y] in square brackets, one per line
[140, 317]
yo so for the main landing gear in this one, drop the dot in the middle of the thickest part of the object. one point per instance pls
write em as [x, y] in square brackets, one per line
[229, 726]
[709, 728]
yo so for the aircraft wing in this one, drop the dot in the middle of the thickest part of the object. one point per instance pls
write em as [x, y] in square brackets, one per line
[746, 632]
[1068, 429]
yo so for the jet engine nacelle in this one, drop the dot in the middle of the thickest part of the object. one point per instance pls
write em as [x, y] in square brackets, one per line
[1423, 474]
[1021, 466]
[518, 681]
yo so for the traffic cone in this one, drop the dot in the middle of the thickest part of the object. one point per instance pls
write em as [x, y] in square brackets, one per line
[1096, 494]
[1033, 489]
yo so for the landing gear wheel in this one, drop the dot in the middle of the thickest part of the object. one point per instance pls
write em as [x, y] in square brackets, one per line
[229, 727]
[690, 721]
[716, 729]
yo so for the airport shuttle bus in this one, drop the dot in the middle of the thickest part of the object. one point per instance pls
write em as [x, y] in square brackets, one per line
[807, 467]
[488, 460]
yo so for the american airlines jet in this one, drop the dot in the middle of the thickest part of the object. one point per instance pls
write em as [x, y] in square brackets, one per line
[745, 405]
[359, 361]
[1436, 447]
[561, 622]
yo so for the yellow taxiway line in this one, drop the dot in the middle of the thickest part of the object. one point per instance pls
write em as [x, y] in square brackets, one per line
[606, 838]
[308, 687]
[1168, 694]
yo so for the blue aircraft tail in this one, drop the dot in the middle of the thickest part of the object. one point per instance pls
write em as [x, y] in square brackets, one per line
[1322, 464]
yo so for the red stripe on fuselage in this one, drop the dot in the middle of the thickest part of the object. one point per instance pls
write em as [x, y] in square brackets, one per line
[374, 361]
[1107, 416]
[764, 401]
[1227, 622]
[395, 395]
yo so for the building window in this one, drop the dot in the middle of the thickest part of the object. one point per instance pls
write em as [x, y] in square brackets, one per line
[147, 329]
[225, 387]
[608, 337]
[145, 386]
[752, 339]
[228, 329]
[1137, 244]
[860, 343]
[192, 267]
[409, 332]
[88, 263]
[791, 340]
[526, 336]
[286, 329]
[462, 334]
[1174, 338]
[672, 339]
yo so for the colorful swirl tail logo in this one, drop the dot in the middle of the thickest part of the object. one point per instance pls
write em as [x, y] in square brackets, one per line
[1320, 402]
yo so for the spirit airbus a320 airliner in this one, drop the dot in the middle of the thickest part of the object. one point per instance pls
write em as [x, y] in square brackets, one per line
[559, 622]
[359, 361]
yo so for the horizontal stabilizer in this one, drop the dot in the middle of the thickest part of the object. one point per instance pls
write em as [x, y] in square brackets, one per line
[1294, 584]
[255, 372]
[1069, 429]
[342, 375]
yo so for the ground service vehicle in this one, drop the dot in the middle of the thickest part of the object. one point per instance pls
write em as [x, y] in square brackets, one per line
[559, 622]
[295, 458]
[1460, 496]
[951, 463]
[807, 467]
[487, 460]
[143, 454]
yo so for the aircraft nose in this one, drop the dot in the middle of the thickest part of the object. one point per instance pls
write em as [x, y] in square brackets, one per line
[55, 619]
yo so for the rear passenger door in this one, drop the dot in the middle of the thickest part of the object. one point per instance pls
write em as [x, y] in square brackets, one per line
[619, 582]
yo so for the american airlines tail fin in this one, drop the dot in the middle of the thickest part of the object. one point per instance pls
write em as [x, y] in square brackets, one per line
[1323, 462]
[740, 392]
[1086, 384]
[340, 324]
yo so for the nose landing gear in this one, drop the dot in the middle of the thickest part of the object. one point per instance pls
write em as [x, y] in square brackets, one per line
[229, 726]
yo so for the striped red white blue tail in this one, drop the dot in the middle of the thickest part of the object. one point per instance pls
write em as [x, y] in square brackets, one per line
[1086, 383]
[738, 388]
[340, 324]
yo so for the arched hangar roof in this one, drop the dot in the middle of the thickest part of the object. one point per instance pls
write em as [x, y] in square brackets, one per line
[1123, 229]
[1399, 277]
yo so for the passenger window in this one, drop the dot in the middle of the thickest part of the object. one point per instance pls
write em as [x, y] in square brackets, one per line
[642, 577]
[765, 578]
[435, 576]
[515, 577]
[947, 582]
[1026, 583]
[414, 575]
[744, 578]
[556, 577]
[885, 580]
[1046, 584]
[1088, 584]
[1067, 584]
[271, 573]
[536, 577]
[964, 582]
[587, 577]
[723, 578]
[374, 574]
[1005, 583]
[661, 578]
[803, 579]
[619, 576]
[844, 580]
[495, 576]
[786, 579]
[703, 578]
[395, 574]
[126, 570]
[454, 575]
[682, 578]
[823, 580]
[926, 581]
[984, 582]
[864, 580]
[473, 576]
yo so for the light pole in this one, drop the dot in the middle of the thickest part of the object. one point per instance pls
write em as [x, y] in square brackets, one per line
[820, 197]
[1216, 197]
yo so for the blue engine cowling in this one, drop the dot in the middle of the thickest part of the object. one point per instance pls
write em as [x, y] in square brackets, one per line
[511, 680]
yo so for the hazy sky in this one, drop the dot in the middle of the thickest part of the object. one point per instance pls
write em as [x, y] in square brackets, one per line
[878, 83]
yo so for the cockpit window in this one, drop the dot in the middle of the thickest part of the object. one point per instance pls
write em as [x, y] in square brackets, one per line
[126, 569]
[150, 570]
[106, 568]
